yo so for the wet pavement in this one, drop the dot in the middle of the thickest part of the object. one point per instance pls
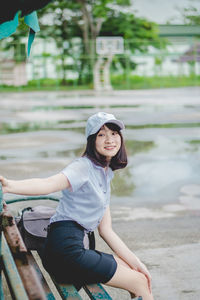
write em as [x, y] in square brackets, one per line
[155, 201]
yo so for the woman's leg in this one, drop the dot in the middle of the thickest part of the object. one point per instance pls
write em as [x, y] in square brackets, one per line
[123, 263]
[130, 280]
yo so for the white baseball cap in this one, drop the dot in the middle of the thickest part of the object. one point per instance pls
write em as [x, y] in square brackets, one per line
[96, 121]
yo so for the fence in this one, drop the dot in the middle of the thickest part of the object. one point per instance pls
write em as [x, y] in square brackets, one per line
[48, 65]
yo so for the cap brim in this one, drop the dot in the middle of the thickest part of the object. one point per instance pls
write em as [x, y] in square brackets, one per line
[114, 121]
[117, 122]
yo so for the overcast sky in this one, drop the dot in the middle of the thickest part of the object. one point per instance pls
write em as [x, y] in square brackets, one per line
[161, 11]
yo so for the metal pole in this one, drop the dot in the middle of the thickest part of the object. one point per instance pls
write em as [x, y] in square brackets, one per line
[1, 265]
[106, 73]
[97, 74]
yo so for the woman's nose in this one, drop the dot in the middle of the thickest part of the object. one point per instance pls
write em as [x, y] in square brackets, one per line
[108, 138]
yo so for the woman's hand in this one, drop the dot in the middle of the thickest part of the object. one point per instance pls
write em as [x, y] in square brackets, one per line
[5, 184]
[140, 267]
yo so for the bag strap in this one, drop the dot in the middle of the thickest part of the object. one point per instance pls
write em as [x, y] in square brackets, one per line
[91, 238]
[25, 209]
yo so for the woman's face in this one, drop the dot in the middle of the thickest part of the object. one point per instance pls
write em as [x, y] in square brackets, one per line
[108, 142]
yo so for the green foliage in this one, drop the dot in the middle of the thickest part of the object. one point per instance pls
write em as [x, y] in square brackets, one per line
[141, 32]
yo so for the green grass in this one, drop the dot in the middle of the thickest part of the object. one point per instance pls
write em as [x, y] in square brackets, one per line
[119, 82]
[40, 87]
[142, 82]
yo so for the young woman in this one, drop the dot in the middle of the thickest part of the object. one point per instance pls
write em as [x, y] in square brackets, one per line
[83, 207]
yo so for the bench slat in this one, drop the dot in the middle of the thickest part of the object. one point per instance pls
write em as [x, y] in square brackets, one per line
[66, 291]
[47, 290]
[27, 273]
[14, 281]
[96, 291]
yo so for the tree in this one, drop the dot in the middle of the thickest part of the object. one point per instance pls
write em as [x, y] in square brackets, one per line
[191, 13]
[139, 31]
[80, 18]
[87, 19]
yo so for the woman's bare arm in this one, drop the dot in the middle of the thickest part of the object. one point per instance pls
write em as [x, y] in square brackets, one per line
[114, 241]
[35, 186]
[119, 247]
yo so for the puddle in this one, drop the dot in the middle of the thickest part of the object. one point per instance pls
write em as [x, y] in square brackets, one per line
[67, 107]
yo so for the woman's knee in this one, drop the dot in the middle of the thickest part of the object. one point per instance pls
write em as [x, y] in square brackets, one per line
[141, 277]
[142, 282]
[128, 279]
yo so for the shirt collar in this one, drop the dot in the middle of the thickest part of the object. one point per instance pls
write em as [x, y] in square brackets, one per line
[108, 172]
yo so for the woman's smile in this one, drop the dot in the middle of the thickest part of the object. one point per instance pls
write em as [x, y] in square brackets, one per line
[109, 147]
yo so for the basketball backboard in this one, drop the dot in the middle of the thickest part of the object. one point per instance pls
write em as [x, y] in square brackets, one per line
[106, 45]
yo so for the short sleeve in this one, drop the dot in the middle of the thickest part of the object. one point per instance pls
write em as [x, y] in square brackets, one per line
[77, 172]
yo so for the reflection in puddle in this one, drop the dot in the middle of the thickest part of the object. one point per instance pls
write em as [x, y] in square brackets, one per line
[166, 125]
[63, 153]
[3, 157]
[6, 128]
[194, 146]
[134, 146]
[80, 107]
[63, 107]
[194, 142]
[122, 184]
[71, 153]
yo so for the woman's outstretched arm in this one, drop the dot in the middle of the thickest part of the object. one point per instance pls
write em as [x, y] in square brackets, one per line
[35, 186]
[119, 247]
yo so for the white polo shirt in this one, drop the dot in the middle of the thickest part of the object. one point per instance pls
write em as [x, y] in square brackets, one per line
[85, 202]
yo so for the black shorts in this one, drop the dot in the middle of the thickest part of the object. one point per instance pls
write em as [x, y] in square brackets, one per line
[68, 261]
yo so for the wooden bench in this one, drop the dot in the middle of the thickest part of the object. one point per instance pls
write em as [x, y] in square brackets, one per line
[22, 271]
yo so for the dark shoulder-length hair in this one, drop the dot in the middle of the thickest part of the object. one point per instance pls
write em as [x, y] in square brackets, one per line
[118, 161]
